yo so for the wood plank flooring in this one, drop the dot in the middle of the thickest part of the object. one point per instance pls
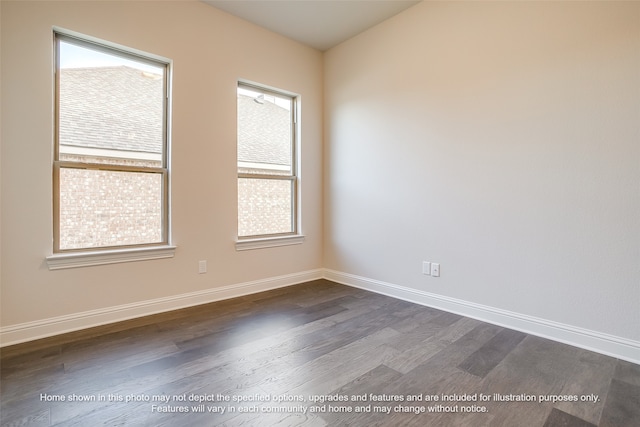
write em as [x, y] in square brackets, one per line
[315, 354]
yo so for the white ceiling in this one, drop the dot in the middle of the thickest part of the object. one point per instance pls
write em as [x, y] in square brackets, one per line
[320, 24]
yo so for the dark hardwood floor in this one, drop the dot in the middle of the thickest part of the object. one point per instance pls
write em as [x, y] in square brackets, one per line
[314, 354]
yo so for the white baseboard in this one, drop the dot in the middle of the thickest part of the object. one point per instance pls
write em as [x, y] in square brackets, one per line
[30, 331]
[599, 342]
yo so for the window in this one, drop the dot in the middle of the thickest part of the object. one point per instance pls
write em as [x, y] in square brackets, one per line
[110, 169]
[267, 170]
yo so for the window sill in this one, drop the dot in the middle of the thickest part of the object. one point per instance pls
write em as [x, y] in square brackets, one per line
[101, 257]
[268, 242]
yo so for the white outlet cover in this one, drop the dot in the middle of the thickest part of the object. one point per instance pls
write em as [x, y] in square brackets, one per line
[426, 268]
[202, 267]
[435, 269]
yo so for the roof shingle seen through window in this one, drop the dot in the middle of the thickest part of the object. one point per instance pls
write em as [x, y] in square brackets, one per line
[120, 108]
[115, 108]
[264, 132]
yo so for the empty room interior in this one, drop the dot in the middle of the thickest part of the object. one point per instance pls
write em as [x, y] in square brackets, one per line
[341, 213]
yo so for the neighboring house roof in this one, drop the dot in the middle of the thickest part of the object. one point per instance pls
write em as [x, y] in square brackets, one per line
[120, 108]
[264, 132]
[114, 108]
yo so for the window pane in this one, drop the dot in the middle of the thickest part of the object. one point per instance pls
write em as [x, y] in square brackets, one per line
[264, 206]
[264, 133]
[109, 208]
[111, 109]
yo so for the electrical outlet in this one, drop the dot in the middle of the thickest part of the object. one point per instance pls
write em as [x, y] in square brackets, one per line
[426, 268]
[435, 269]
[202, 267]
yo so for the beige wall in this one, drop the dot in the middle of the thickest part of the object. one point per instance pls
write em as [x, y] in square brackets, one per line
[500, 139]
[210, 50]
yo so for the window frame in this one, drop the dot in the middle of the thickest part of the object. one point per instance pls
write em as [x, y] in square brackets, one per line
[285, 238]
[160, 248]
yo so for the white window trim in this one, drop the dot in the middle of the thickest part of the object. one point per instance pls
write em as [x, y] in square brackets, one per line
[285, 239]
[60, 261]
[269, 242]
